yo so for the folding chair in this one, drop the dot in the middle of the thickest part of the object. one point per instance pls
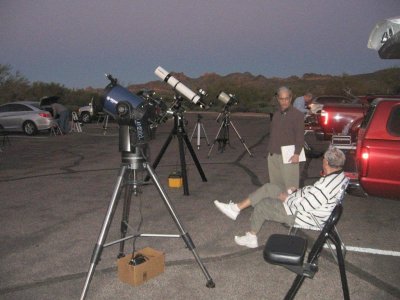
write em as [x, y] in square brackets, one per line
[55, 129]
[76, 125]
[289, 251]
[339, 200]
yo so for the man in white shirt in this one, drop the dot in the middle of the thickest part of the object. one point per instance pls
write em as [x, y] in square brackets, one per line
[272, 203]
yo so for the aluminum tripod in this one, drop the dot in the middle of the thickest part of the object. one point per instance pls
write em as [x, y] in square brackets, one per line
[199, 126]
[133, 162]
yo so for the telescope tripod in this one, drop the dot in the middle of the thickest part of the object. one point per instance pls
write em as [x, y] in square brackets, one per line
[133, 162]
[199, 126]
[222, 136]
[179, 131]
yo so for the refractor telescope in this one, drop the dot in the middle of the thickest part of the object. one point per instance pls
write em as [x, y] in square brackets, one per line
[181, 88]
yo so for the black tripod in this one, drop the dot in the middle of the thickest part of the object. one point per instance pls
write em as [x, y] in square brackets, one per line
[222, 136]
[133, 162]
[179, 131]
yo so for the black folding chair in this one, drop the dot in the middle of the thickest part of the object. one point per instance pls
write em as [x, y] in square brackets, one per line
[289, 251]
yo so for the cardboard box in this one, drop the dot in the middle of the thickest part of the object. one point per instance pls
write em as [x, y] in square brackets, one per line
[175, 180]
[139, 274]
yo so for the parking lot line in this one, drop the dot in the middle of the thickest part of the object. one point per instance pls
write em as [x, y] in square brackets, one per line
[370, 250]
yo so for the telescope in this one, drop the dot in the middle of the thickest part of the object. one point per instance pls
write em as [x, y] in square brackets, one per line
[181, 88]
[126, 108]
[227, 99]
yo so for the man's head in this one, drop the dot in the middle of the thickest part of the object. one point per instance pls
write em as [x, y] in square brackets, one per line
[308, 97]
[333, 161]
[284, 96]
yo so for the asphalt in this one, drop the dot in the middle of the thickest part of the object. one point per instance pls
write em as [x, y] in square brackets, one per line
[55, 191]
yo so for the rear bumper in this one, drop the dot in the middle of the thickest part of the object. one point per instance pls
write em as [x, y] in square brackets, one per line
[354, 188]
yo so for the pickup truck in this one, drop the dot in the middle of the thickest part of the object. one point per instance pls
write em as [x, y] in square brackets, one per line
[378, 149]
[338, 118]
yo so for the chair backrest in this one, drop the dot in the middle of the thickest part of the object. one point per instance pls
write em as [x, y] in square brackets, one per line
[326, 232]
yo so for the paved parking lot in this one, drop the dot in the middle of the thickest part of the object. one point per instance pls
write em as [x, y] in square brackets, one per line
[55, 191]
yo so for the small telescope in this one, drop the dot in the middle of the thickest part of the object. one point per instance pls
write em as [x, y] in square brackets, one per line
[227, 99]
[181, 88]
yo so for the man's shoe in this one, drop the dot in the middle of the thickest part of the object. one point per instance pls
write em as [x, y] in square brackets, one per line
[249, 240]
[230, 209]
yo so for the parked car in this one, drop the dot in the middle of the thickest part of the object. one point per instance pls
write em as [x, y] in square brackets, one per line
[90, 112]
[378, 149]
[25, 116]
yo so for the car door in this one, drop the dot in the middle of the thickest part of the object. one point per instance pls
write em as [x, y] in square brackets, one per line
[12, 116]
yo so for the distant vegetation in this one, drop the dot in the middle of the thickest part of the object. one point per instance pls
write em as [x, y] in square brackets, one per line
[255, 93]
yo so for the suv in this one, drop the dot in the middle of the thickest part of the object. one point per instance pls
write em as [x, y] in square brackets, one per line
[87, 113]
[378, 149]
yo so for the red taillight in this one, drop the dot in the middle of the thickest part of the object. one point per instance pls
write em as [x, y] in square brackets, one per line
[45, 115]
[324, 117]
[364, 161]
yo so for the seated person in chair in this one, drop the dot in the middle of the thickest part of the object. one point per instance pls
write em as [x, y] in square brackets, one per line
[271, 202]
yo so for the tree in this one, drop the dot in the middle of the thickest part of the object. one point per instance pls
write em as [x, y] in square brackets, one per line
[13, 86]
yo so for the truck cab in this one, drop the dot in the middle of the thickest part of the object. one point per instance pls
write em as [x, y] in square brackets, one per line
[378, 149]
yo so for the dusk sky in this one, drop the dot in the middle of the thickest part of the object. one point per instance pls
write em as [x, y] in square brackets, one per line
[75, 42]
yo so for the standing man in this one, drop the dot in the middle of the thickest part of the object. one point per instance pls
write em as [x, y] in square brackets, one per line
[61, 113]
[287, 128]
[301, 103]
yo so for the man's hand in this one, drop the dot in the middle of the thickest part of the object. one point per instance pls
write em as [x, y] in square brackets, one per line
[282, 196]
[294, 159]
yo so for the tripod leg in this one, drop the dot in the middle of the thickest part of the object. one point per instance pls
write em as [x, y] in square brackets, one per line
[240, 138]
[205, 134]
[215, 140]
[194, 157]
[98, 248]
[125, 218]
[183, 165]
[162, 151]
[194, 130]
[198, 135]
[185, 236]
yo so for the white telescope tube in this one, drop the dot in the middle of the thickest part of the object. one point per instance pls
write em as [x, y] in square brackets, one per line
[177, 85]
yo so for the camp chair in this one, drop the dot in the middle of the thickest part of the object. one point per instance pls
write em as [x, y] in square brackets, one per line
[289, 251]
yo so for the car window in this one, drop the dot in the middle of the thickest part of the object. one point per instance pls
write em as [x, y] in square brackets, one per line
[15, 107]
[393, 124]
[36, 104]
[368, 116]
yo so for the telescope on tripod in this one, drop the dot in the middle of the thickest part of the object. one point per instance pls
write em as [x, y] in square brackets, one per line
[136, 117]
[222, 137]
[179, 124]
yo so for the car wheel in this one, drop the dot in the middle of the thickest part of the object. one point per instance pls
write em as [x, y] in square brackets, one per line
[85, 117]
[29, 128]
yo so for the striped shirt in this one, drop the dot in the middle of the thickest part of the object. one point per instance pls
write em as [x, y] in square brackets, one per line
[318, 199]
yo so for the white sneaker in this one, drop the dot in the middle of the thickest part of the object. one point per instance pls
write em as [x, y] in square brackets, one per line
[249, 240]
[230, 209]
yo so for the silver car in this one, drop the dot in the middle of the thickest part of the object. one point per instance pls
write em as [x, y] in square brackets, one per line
[25, 116]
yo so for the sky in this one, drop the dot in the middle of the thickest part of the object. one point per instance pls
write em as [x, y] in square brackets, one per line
[75, 42]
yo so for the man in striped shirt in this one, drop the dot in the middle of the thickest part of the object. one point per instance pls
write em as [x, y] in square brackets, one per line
[271, 203]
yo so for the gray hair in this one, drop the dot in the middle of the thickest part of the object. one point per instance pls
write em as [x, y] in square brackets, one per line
[284, 89]
[335, 157]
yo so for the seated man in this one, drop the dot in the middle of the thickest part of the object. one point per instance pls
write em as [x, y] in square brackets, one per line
[271, 203]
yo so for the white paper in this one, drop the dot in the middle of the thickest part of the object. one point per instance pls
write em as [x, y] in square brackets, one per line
[288, 151]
